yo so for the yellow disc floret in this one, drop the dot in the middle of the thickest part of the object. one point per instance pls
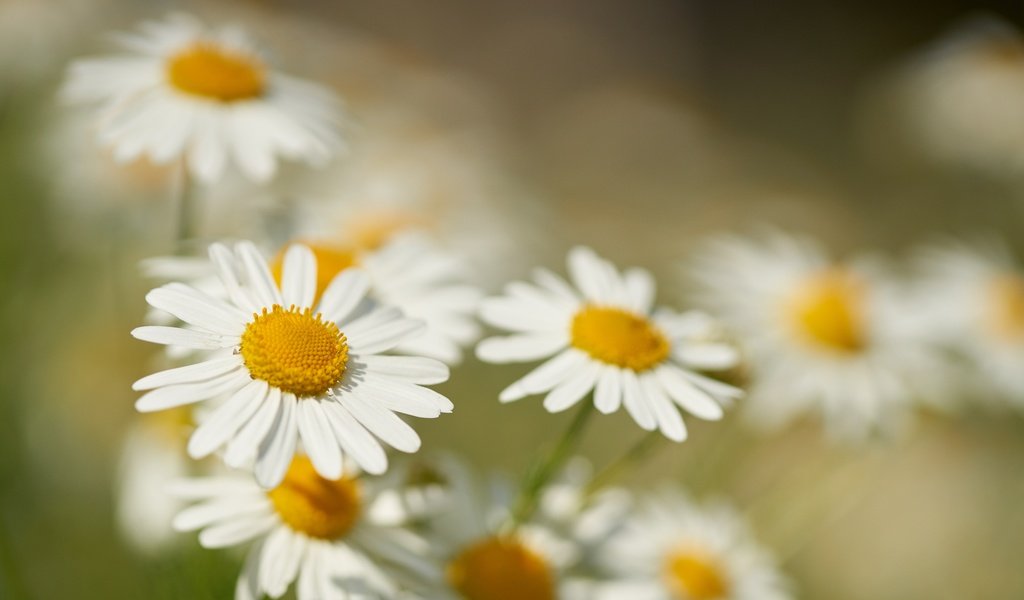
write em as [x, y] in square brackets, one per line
[294, 350]
[1006, 317]
[619, 337]
[330, 260]
[827, 310]
[207, 70]
[498, 568]
[315, 506]
[695, 576]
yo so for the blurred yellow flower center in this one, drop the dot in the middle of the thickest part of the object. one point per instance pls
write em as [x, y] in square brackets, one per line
[330, 261]
[372, 230]
[828, 310]
[1007, 315]
[294, 350]
[207, 70]
[500, 569]
[618, 337]
[315, 506]
[695, 576]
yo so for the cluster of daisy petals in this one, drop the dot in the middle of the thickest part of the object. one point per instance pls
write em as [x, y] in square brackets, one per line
[302, 365]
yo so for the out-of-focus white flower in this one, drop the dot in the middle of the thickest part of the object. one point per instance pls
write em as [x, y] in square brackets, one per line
[973, 298]
[671, 549]
[962, 100]
[840, 339]
[605, 338]
[317, 532]
[292, 364]
[183, 90]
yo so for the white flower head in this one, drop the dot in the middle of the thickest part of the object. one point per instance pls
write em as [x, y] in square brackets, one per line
[291, 364]
[183, 90]
[605, 337]
[836, 338]
[671, 549]
[972, 295]
[319, 533]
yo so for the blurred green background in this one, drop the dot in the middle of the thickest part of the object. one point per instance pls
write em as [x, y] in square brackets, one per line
[639, 128]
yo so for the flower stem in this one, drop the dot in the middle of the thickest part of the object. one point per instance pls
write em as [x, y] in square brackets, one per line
[629, 458]
[538, 475]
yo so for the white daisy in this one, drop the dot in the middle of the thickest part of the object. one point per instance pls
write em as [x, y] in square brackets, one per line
[973, 298]
[291, 367]
[318, 532]
[483, 559]
[605, 338]
[673, 550]
[836, 338]
[181, 89]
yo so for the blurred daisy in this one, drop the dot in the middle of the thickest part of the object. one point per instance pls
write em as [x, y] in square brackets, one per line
[605, 339]
[181, 89]
[822, 336]
[485, 561]
[291, 367]
[318, 532]
[973, 295]
[673, 550]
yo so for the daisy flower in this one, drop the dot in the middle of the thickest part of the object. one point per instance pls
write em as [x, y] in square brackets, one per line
[290, 367]
[673, 550]
[973, 297]
[836, 338]
[482, 559]
[604, 338]
[317, 532]
[181, 89]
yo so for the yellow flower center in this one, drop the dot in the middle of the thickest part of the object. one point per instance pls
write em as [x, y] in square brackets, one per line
[315, 506]
[1007, 315]
[695, 576]
[294, 350]
[330, 260]
[618, 337]
[498, 568]
[225, 75]
[827, 310]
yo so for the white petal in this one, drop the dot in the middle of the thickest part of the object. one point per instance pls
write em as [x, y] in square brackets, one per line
[546, 376]
[371, 340]
[236, 532]
[407, 369]
[343, 294]
[279, 561]
[589, 273]
[521, 348]
[197, 488]
[258, 275]
[278, 448]
[227, 419]
[220, 509]
[196, 373]
[242, 448]
[357, 442]
[318, 439]
[640, 290]
[608, 393]
[669, 421]
[248, 585]
[713, 386]
[188, 393]
[405, 398]
[687, 395]
[383, 423]
[198, 309]
[298, 276]
[187, 338]
[633, 398]
[712, 357]
[225, 263]
[573, 389]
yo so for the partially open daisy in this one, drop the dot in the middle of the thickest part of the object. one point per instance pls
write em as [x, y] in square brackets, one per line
[837, 338]
[291, 367]
[484, 561]
[605, 338]
[181, 89]
[973, 298]
[317, 532]
[673, 550]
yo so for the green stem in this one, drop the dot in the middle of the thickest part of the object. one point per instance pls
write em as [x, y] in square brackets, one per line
[538, 476]
[186, 209]
[628, 459]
